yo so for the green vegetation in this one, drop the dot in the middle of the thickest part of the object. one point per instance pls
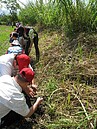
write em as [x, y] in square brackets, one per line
[67, 71]
[71, 16]
[4, 38]
[66, 75]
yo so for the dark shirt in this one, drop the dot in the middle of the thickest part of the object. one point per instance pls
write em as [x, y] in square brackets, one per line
[20, 31]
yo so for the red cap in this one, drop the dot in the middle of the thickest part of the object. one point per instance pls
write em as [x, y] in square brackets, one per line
[23, 61]
[27, 74]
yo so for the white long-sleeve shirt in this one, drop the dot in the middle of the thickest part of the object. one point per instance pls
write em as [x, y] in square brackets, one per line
[6, 64]
[11, 97]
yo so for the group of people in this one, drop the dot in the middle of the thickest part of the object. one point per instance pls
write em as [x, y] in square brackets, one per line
[21, 40]
[17, 85]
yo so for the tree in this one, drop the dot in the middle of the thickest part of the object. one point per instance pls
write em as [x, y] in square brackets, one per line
[13, 7]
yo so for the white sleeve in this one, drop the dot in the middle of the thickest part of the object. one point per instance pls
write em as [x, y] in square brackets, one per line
[5, 70]
[18, 104]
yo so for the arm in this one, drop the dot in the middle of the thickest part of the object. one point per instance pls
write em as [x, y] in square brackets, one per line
[30, 67]
[33, 81]
[34, 107]
[31, 90]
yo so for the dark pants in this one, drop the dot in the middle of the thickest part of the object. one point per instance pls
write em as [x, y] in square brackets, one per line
[10, 118]
[35, 40]
[27, 46]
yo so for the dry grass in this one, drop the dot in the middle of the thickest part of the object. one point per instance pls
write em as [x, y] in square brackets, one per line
[66, 76]
[72, 70]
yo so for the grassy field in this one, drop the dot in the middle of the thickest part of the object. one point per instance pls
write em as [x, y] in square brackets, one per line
[66, 76]
[4, 38]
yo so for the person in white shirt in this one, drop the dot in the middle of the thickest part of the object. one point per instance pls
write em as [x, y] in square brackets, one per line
[11, 96]
[10, 62]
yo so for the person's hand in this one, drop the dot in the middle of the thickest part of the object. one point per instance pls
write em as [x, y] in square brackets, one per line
[34, 87]
[30, 92]
[39, 100]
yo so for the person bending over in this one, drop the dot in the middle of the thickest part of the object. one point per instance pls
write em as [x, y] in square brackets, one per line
[12, 98]
[11, 64]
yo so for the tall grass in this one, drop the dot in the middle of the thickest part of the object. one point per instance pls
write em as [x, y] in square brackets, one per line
[74, 16]
[43, 14]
